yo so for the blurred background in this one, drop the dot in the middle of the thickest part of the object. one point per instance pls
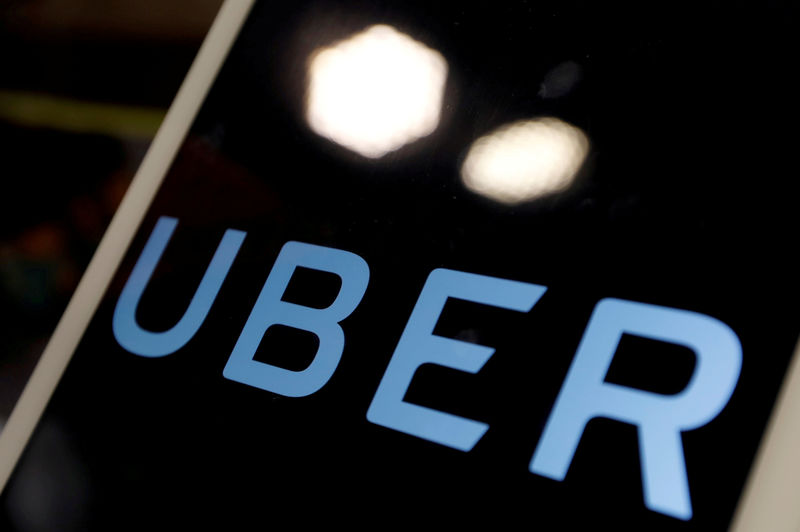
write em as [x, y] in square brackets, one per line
[84, 86]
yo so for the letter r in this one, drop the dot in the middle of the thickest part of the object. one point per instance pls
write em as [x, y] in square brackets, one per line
[660, 418]
[324, 323]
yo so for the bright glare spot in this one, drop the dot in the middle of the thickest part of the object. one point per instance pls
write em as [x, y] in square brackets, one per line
[525, 160]
[376, 91]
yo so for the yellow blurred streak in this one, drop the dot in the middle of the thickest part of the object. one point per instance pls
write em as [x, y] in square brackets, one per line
[53, 112]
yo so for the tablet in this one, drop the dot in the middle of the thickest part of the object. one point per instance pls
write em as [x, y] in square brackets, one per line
[441, 264]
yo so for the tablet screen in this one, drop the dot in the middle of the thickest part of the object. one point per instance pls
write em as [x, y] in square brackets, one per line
[510, 262]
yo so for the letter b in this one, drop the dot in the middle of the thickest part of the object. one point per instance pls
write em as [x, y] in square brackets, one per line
[324, 323]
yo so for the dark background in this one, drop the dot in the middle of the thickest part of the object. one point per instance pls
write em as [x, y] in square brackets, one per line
[83, 88]
[686, 201]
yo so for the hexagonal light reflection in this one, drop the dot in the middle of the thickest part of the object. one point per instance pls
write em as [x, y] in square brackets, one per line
[525, 160]
[376, 91]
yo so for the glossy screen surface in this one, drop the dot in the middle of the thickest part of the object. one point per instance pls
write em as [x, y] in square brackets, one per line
[643, 154]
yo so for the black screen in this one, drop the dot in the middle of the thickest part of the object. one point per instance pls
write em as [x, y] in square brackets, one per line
[680, 198]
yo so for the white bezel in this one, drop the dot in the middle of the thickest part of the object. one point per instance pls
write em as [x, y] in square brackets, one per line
[118, 236]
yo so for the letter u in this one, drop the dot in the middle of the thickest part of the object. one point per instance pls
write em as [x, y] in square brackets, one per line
[158, 344]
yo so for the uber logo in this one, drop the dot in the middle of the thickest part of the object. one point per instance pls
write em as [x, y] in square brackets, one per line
[584, 395]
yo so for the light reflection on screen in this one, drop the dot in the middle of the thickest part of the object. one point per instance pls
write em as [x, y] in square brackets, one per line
[376, 91]
[525, 160]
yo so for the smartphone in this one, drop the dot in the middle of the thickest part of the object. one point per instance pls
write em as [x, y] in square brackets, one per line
[441, 263]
